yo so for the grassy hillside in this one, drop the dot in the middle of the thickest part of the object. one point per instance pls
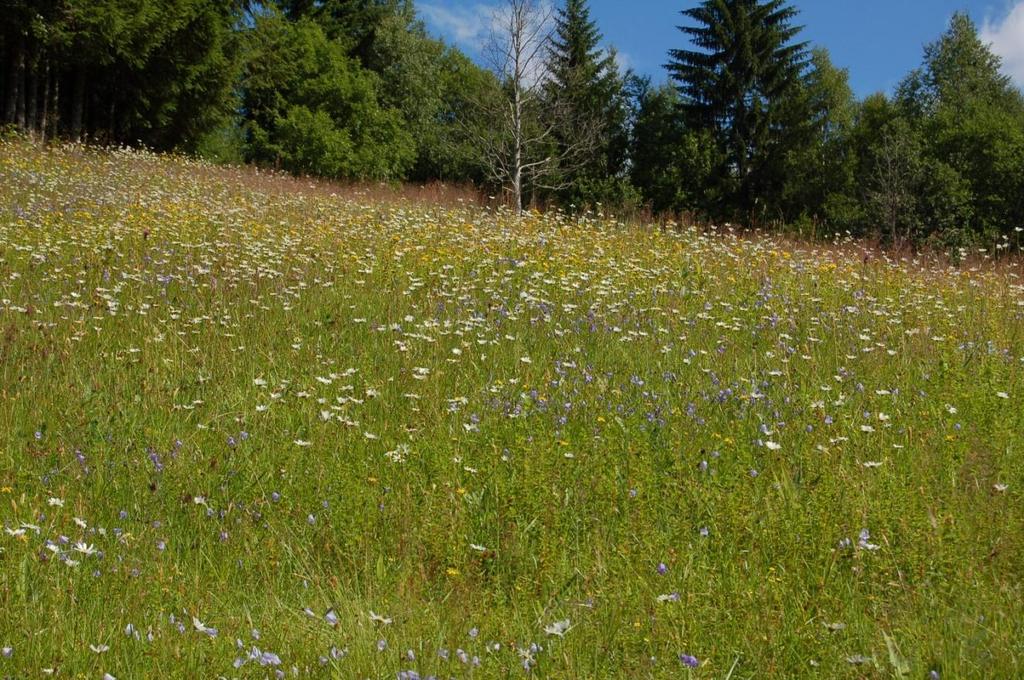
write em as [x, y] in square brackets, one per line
[249, 426]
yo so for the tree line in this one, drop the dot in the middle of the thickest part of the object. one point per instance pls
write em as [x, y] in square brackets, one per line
[753, 125]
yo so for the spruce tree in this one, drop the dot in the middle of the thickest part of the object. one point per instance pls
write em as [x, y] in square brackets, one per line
[737, 83]
[586, 90]
[576, 63]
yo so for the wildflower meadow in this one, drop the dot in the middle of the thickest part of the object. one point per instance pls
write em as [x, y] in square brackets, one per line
[253, 426]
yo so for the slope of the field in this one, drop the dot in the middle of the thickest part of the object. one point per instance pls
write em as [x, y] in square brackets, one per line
[248, 427]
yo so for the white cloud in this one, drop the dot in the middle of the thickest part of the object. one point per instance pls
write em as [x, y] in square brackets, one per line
[623, 61]
[1007, 40]
[471, 26]
[468, 26]
[482, 30]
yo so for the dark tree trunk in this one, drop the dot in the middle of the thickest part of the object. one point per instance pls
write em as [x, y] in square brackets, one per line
[93, 116]
[20, 113]
[32, 100]
[78, 104]
[42, 121]
[111, 122]
[54, 121]
[16, 60]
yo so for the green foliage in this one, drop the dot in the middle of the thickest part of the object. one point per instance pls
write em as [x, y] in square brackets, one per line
[396, 110]
[818, 167]
[159, 73]
[939, 164]
[354, 24]
[432, 86]
[959, 72]
[309, 108]
[970, 120]
[759, 129]
[847, 210]
[947, 205]
[893, 185]
[738, 85]
[446, 150]
[587, 93]
[670, 164]
[186, 86]
[224, 145]
[942, 163]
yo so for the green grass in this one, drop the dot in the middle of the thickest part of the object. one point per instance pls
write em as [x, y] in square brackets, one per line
[230, 367]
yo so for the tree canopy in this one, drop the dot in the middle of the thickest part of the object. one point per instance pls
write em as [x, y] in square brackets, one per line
[736, 81]
[754, 125]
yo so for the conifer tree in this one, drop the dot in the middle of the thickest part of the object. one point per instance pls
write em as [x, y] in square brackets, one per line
[737, 83]
[585, 88]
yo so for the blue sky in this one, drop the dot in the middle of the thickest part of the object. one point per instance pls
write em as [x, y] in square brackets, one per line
[879, 41]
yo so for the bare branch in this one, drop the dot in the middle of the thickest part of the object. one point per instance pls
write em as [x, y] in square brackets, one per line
[516, 123]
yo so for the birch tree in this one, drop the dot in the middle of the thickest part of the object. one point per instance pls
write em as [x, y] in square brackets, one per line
[515, 125]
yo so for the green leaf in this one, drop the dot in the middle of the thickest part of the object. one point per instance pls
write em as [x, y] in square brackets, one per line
[899, 664]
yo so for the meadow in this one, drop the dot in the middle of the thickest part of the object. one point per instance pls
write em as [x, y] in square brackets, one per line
[260, 427]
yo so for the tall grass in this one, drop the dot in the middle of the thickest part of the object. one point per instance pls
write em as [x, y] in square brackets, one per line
[251, 425]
